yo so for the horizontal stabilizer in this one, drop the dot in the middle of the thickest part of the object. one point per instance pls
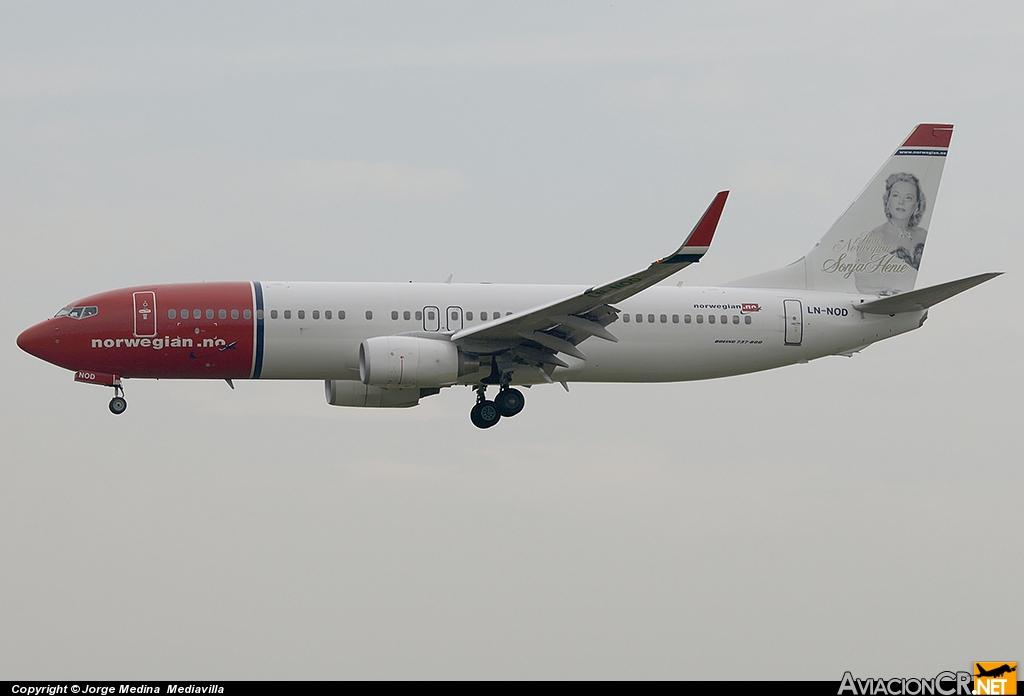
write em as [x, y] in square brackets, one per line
[920, 300]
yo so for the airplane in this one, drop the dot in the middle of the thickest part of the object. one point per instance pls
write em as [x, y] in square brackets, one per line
[995, 672]
[389, 345]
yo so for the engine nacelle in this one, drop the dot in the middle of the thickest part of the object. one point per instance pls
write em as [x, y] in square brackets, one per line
[346, 392]
[408, 361]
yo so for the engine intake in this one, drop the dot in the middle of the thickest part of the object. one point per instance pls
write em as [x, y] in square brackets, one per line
[409, 361]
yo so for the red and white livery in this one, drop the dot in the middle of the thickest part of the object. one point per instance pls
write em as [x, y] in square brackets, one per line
[392, 344]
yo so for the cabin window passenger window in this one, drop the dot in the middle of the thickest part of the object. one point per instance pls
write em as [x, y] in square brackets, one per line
[273, 314]
[711, 318]
[639, 318]
[197, 314]
[407, 315]
[287, 314]
[328, 314]
[394, 315]
[455, 316]
[431, 315]
[209, 314]
[234, 313]
[686, 318]
[725, 319]
[508, 314]
[172, 314]
[483, 316]
[316, 313]
[248, 315]
[419, 315]
[664, 319]
[700, 318]
[746, 319]
[301, 314]
[369, 314]
[675, 318]
[184, 314]
[735, 318]
[625, 318]
[469, 316]
[650, 318]
[222, 314]
[341, 314]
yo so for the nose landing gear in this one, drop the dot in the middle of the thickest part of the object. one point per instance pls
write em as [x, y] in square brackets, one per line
[118, 405]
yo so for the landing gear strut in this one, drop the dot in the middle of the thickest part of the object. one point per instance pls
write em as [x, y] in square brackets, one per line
[507, 403]
[118, 405]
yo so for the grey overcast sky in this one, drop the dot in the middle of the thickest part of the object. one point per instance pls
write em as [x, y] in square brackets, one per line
[849, 514]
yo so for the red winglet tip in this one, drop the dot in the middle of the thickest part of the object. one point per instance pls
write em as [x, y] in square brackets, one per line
[705, 229]
[930, 135]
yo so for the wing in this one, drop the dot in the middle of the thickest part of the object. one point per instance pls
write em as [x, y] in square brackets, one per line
[534, 336]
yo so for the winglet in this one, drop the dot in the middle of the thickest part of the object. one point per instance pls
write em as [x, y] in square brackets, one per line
[696, 245]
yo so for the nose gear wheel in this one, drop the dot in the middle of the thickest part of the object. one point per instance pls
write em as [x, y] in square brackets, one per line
[118, 404]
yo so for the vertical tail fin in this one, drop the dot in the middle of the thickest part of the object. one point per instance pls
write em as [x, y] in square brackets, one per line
[876, 246]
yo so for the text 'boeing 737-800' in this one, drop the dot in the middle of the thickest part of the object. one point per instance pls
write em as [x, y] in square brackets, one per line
[388, 345]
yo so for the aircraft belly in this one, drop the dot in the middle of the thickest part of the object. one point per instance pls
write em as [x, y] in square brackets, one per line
[673, 361]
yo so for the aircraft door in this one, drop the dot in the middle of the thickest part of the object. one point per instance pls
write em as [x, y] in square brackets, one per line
[454, 318]
[794, 322]
[145, 313]
[431, 319]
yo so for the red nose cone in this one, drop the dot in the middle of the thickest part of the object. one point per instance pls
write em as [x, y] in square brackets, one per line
[42, 341]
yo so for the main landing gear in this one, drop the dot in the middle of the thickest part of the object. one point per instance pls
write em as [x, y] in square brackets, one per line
[507, 403]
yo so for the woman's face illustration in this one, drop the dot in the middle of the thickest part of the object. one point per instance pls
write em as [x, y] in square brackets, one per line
[902, 201]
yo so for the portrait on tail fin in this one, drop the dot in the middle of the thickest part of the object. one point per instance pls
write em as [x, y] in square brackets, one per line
[892, 253]
[872, 251]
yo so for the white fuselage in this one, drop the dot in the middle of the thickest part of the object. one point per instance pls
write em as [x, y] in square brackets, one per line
[696, 333]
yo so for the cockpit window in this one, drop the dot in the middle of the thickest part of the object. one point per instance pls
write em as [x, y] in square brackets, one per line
[78, 312]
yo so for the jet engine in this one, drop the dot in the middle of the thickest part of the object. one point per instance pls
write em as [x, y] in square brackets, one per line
[409, 361]
[346, 392]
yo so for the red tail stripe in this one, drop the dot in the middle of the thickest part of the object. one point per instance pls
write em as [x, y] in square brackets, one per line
[930, 135]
